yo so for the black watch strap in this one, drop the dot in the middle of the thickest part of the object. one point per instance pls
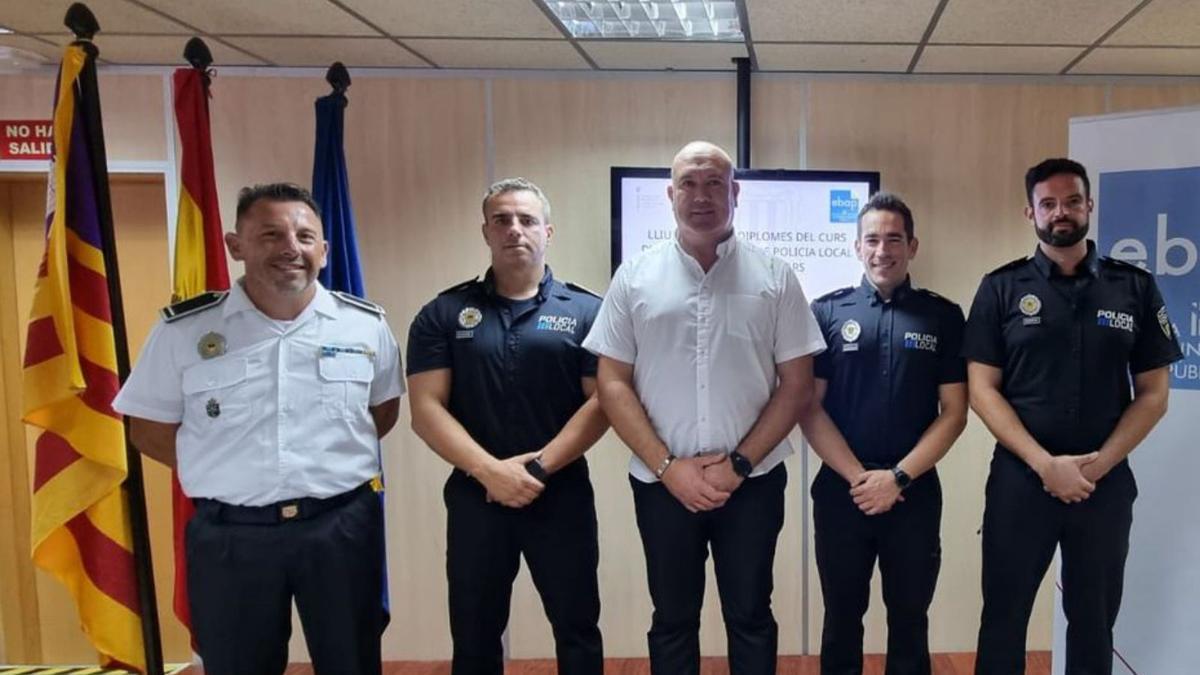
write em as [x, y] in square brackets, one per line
[741, 465]
[535, 469]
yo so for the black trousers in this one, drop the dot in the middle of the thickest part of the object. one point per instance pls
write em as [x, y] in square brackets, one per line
[1022, 525]
[907, 543]
[243, 577]
[742, 535]
[558, 537]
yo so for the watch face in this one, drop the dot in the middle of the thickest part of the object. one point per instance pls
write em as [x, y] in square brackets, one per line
[741, 465]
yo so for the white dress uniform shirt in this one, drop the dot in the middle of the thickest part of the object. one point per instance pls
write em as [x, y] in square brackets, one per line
[704, 345]
[283, 412]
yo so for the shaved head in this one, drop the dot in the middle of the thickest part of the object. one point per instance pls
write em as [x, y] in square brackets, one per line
[701, 150]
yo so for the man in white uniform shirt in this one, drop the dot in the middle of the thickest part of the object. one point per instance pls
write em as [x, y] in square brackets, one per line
[705, 348]
[270, 400]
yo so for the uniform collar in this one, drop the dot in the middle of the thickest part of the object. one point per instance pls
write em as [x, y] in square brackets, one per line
[322, 302]
[1090, 263]
[868, 291]
[489, 284]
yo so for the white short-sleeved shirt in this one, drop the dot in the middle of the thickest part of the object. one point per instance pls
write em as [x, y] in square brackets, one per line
[283, 412]
[704, 345]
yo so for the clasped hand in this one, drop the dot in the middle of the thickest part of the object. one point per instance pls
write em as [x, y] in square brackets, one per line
[702, 483]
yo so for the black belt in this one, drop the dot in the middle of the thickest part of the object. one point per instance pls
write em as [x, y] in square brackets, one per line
[279, 512]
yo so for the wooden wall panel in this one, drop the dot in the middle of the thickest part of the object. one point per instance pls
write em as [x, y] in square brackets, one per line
[1127, 97]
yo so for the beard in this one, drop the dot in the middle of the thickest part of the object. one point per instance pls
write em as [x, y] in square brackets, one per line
[1060, 239]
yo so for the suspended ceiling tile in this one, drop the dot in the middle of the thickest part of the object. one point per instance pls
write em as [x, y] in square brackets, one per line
[265, 17]
[664, 55]
[1012, 60]
[1162, 22]
[840, 21]
[547, 54]
[163, 50]
[457, 18]
[363, 52]
[843, 58]
[1061, 22]
[114, 16]
[1134, 61]
[39, 51]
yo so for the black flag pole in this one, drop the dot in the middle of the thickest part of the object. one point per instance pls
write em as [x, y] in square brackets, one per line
[83, 24]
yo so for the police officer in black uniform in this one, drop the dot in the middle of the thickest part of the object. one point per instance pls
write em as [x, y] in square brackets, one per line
[502, 389]
[892, 399]
[1054, 343]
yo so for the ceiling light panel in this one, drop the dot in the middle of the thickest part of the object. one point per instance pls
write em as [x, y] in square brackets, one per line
[699, 20]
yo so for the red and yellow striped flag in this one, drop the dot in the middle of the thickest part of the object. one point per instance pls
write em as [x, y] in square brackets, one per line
[81, 529]
[199, 256]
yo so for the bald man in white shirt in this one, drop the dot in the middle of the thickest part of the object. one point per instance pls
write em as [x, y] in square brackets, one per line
[706, 347]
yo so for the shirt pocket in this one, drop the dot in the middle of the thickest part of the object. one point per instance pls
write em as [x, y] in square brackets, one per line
[345, 385]
[216, 395]
[748, 317]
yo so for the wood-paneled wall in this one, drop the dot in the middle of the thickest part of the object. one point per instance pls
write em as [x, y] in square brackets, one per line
[421, 150]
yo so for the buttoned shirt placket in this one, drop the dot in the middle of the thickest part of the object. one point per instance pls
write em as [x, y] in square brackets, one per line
[704, 300]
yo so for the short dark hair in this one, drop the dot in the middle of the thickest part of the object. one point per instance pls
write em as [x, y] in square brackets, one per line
[1054, 167]
[886, 201]
[274, 192]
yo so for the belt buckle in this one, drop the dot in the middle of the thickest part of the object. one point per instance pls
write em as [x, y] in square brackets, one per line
[289, 511]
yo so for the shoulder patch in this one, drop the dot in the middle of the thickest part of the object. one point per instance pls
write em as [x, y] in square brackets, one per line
[460, 286]
[1012, 265]
[832, 295]
[358, 302]
[582, 289]
[191, 306]
[1123, 265]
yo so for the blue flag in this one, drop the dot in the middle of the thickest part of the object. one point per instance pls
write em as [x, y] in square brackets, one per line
[331, 189]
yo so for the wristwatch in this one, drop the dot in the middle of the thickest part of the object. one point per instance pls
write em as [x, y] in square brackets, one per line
[741, 465]
[662, 468]
[535, 469]
[902, 478]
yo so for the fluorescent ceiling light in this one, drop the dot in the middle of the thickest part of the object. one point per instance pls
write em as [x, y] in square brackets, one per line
[699, 20]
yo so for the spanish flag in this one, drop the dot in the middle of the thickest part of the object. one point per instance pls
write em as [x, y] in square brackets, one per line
[81, 530]
[199, 256]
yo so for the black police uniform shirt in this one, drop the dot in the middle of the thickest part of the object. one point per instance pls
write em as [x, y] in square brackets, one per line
[516, 365]
[884, 365]
[1068, 345]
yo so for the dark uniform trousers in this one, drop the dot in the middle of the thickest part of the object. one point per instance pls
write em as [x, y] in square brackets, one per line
[246, 564]
[557, 534]
[907, 543]
[742, 534]
[1022, 525]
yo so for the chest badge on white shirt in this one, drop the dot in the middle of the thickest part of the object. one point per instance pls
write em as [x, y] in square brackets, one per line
[1031, 306]
[211, 345]
[212, 408]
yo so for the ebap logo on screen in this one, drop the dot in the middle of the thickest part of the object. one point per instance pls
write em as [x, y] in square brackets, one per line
[1152, 219]
[843, 207]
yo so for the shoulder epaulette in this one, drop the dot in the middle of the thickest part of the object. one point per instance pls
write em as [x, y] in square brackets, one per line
[831, 295]
[460, 287]
[1123, 264]
[355, 301]
[1010, 265]
[935, 295]
[582, 289]
[191, 306]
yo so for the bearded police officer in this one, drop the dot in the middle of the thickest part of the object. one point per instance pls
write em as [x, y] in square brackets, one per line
[503, 391]
[891, 398]
[270, 400]
[1054, 343]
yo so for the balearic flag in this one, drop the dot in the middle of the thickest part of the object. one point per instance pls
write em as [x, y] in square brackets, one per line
[81, 532]
[199, 257]
[331, 190]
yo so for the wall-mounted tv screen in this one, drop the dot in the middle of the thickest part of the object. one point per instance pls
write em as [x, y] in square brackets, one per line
[809, 218]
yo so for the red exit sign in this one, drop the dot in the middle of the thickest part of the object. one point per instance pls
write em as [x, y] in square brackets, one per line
[26, 139]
